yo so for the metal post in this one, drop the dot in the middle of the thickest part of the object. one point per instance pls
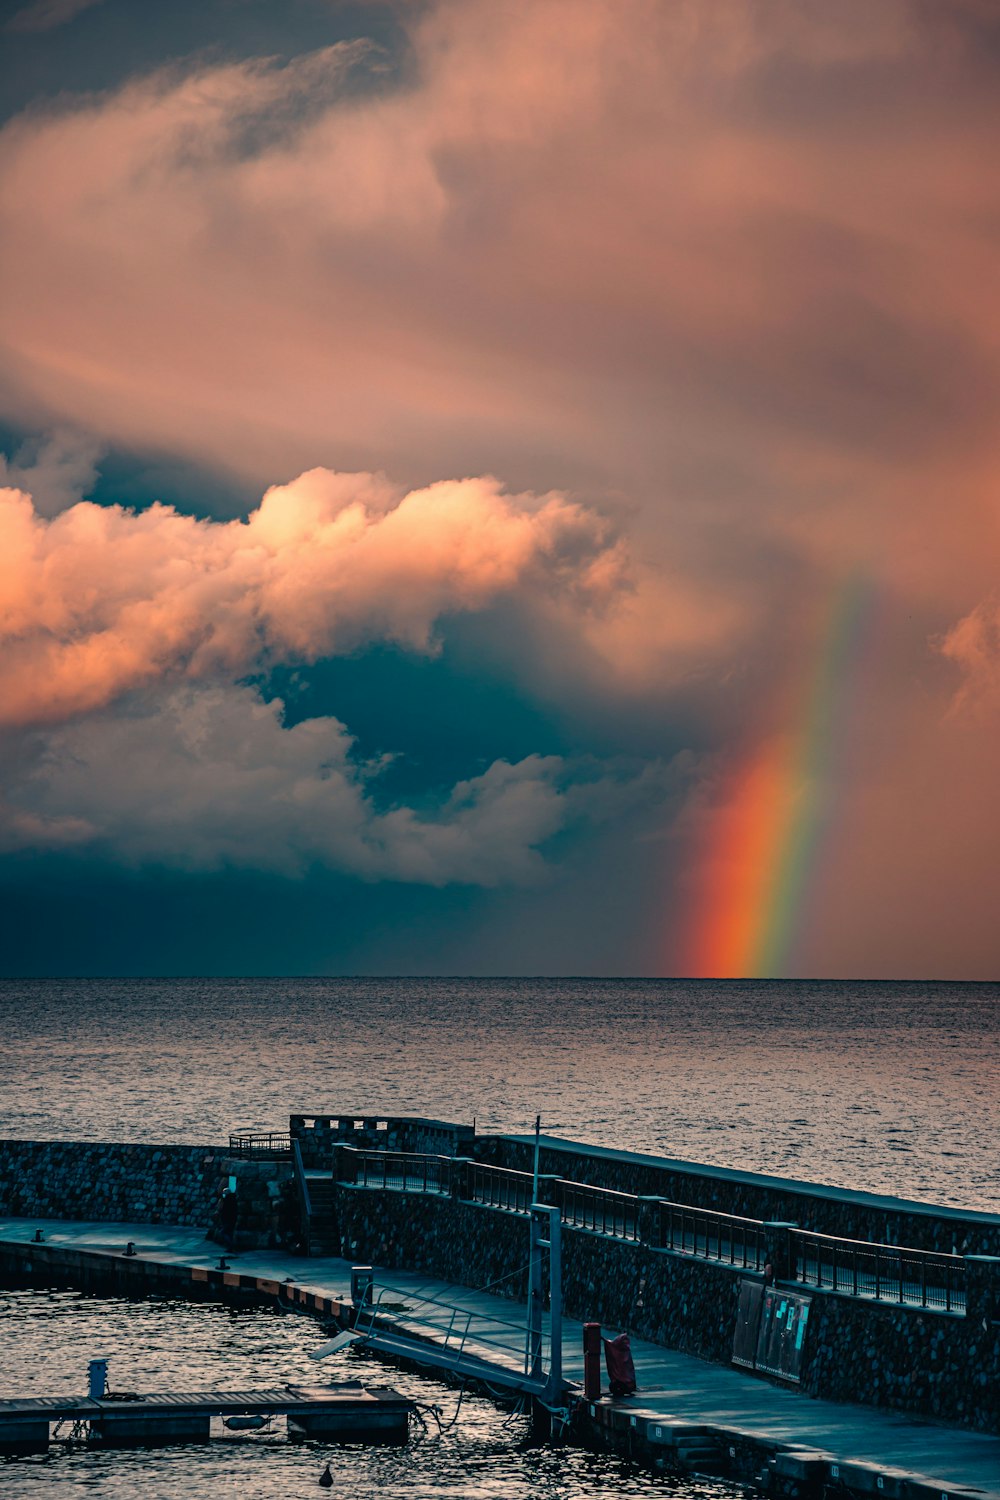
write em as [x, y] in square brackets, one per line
[534, 1182]
[533, 1344]
[555, 1303]
[592, 1361]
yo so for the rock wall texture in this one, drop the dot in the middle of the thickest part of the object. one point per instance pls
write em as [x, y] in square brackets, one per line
[115, 1182]
[878, 1354]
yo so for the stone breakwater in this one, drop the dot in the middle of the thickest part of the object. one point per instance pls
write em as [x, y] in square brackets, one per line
[920, 1360]
[137, 1184]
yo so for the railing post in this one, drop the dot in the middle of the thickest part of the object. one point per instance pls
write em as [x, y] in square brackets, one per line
[780, 1248]
[982, 1289]
[460, 1173]
[555, 1304]
[647, 1226]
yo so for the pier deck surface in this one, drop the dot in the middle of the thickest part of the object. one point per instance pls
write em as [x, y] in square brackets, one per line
[290, 1400]
[671, 1384]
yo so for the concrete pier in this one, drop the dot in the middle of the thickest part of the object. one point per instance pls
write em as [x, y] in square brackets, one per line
[687, 1415]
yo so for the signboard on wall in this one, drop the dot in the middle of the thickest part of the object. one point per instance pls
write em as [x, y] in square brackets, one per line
[782, 1334]
[747, 1328]
[770, 1330]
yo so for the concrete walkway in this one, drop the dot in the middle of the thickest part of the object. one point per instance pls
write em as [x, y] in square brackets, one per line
[671, 1385]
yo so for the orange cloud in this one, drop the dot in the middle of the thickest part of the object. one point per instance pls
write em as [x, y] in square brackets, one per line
[101, 600]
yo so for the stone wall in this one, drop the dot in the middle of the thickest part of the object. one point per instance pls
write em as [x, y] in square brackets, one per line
[319, 1135]
[880, 1354]
[115, 1182]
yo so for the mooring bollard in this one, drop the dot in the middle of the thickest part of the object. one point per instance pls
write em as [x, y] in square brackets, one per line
[39, 1238]
[592, 1361]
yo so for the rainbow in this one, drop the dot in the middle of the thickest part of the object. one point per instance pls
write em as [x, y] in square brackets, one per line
[762, 838]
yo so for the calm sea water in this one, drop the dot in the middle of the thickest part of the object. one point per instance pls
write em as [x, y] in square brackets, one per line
[889, 1087]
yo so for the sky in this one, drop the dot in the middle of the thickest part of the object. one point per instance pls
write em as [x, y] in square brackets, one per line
[500, 486]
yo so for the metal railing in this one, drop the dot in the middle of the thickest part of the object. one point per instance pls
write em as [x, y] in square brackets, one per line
[274, 1143]
[462, 1336]
[404, 1171]
[859, 1268]
[712, 1236]
[497, 1187]
[883, 1273]
[602, 1210]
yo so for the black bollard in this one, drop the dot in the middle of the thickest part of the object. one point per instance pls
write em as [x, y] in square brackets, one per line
[592, 1361]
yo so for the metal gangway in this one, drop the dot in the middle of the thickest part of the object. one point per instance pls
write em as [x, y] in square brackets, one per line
[467, 1338]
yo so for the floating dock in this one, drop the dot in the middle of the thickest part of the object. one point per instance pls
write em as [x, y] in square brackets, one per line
[345, 1413]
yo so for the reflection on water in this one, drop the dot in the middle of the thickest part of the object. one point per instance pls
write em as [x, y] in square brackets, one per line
[170, 1345]
[890, 1087]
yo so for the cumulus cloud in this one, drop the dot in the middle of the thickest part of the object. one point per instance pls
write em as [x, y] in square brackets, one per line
[973, 645]
[101, 600]
[122, 634]
[208, 778]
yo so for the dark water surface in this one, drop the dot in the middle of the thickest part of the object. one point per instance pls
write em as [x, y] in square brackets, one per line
[164, 1345]
[889, 1087]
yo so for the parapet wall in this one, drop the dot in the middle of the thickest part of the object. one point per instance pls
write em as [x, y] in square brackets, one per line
[824, 1210]
[131, 1184]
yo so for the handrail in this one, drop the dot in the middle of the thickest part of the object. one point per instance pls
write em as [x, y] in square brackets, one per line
[841, 1239]
[252, 1144]
[863, 1268]
[444, 1322]
[300, 1178]
[711, 1235]
[498, 1187]
[932, 1279]
[716, 1213]
[422, 1171]
[602, 1210]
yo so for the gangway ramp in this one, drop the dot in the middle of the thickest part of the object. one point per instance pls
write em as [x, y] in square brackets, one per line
[464, 1340]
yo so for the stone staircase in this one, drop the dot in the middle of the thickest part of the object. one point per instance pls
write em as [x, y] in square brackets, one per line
[321, 1234]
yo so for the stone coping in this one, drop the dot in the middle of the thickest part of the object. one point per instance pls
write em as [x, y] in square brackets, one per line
[753, 1179]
